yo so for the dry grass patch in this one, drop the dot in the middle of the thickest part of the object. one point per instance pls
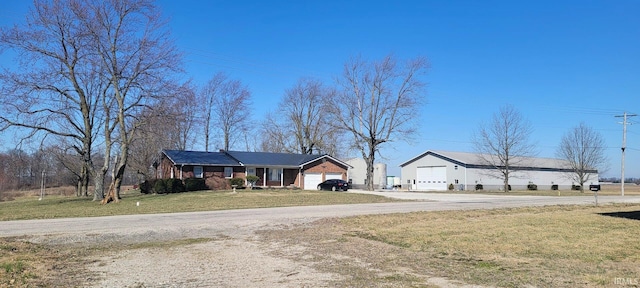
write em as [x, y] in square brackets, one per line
[560, 246]
[25, 264]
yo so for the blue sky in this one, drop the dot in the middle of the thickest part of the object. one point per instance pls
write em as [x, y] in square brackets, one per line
[558, 62]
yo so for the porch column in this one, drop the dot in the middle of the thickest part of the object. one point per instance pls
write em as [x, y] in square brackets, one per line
[282, 177]
[264, 177]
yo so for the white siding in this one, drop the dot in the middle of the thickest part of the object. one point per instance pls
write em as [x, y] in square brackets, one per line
[466, 178]
[358, 173]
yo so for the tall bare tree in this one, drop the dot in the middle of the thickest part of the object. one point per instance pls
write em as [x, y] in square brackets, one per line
[504, 142]
[379, 103]
[584, 149]
[169, 124]
[87, 62]
[208, 94]
[137, 56]
[53, 90]
[228, 104]
[301, 125]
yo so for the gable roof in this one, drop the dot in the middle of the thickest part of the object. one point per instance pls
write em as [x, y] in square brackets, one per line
[473, 160]
[279, 159]
[180, 157]
[238, 158]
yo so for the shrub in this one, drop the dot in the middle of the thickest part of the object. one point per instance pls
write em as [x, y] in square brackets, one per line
[195, 184]
[252, 179]
[146, 186]
[532, 186]
[160, 187]
[479, 187]
[174, 185]
[554, 187]
[239, 182]
[450, 186]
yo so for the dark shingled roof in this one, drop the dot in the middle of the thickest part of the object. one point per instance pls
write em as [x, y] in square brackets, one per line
[237, 158]
[272, 159]
[180, 157]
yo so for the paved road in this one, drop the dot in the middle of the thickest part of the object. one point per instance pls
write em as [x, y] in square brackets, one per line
[203, 224]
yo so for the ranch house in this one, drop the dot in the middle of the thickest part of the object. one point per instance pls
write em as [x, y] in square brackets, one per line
[273, 169]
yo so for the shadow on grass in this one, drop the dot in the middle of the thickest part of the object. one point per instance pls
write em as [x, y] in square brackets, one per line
[633, 215]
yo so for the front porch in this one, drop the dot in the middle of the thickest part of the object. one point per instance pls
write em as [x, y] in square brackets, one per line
[276, 176]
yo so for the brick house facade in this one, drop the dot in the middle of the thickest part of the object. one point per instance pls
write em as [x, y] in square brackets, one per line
[272, 169]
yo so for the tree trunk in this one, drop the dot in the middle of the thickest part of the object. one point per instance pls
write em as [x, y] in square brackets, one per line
[370, 159]
[506, 183]
[111, 195]
[98, 193]
[79, 187]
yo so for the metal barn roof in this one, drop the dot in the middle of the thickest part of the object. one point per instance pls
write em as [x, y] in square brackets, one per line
[474, 159]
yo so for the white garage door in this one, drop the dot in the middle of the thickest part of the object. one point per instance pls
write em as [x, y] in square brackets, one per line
[432, 178]
[332, 176]
[311, 180]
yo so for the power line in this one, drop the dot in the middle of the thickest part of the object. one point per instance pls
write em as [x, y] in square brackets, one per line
[624, 123]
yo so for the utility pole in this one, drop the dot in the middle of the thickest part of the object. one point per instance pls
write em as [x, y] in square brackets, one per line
[624, 123]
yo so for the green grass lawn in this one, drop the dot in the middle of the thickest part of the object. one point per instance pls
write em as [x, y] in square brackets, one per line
[29, 207]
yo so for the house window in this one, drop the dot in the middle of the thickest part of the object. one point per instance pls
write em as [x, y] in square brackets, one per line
[274, 174]
[228, 172]
[197, 172]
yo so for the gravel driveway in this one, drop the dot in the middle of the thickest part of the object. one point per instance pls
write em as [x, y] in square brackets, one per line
[233, 254]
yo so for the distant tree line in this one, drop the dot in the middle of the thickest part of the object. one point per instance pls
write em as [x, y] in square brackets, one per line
[53, 167]
[617, 180]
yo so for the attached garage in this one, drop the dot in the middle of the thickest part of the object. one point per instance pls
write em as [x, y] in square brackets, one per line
[328, 176]
[311, 180]
[431, 178]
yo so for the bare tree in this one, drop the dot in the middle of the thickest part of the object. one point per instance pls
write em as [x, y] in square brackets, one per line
[504, 142]
[301, 125]
[53, 90]
[227, 104]
[583, 148]
[209, 93]
[137, 55]
[378, 104]
[168, 124]
[232, 112]
[87, 62]
[273, 138]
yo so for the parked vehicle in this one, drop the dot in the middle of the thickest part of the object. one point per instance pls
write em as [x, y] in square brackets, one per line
[334, 185]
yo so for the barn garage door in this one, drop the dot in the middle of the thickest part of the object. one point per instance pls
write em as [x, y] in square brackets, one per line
[432, 178]
[332, 176]
[311, 180]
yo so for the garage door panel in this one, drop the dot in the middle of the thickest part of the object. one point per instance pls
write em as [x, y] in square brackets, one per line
[431, 178]
[311, 180]
[333, 176]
